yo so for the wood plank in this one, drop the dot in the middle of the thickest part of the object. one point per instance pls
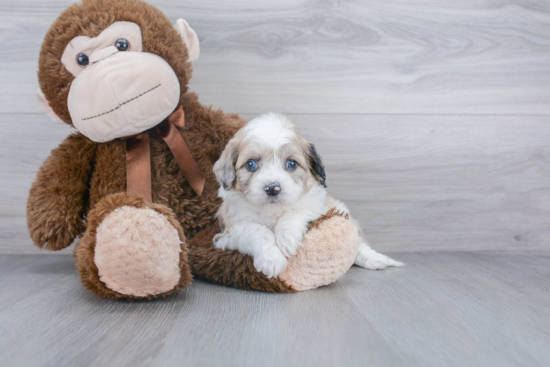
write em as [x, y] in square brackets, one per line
[428, 56]
[44, 270]
[182, 327]
[421, 183]
[25, 142]
[452, 309]
[415, 182]
[490, 310]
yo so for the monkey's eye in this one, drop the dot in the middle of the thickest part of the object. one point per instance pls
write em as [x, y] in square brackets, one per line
[251, 165]
[122, 45]
[82, 60]
[291, 164]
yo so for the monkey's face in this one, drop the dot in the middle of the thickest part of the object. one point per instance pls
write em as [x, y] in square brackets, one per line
[118, 90]
[118, 78]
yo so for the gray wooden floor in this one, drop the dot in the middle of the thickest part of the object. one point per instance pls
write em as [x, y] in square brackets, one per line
[442, 309]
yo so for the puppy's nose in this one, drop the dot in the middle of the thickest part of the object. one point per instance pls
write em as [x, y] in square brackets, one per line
[272, 189]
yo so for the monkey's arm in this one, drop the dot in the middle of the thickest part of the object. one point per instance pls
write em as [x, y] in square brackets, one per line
[58, 197]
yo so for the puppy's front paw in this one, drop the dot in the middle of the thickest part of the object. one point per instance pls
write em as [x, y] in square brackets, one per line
[370, 259]
[221, 241]
[288, 241]
[270, 261]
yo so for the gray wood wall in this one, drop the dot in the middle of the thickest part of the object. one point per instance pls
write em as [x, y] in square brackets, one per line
[432, 116]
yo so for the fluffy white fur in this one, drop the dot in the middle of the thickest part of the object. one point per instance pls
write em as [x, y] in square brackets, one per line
[270, 228]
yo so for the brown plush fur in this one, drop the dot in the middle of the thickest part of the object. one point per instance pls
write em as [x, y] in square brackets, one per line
[89, 19]
[80, 174]
[84, 252]
[228, 267]
[329, 214]
[82, 181]
[58, 200]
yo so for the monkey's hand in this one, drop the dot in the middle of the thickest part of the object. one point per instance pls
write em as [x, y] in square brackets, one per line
[56, 203]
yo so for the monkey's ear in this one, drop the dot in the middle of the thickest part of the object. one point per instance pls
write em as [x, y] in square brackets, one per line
[316, 165]
[189, 38]
[43, 102]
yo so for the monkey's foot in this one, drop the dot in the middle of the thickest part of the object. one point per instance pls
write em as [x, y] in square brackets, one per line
[132, 249]
[327, 252]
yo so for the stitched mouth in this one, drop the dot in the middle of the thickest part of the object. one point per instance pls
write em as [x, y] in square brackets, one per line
[122, 104]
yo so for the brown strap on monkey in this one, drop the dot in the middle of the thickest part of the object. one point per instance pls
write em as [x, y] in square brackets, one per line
[138, 157]
[168, 131]
[138, 166]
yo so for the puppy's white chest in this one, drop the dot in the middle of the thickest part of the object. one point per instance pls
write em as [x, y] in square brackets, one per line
[268, 217]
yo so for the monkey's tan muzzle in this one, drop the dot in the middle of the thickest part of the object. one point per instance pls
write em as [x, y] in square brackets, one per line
[121, 94]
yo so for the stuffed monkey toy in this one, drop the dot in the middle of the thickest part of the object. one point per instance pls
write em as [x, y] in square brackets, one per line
[134, 185]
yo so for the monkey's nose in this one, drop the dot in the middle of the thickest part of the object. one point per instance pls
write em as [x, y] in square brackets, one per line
[102, 54]
[273, 189]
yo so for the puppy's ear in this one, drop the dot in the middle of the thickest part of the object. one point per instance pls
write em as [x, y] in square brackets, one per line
[316, 164]
[224, 168]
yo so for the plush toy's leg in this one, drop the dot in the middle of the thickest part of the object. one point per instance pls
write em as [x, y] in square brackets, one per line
[327, 252]
[228, 267]
[132, 250]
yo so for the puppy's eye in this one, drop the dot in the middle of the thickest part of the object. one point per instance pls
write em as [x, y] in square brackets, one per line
[291, 164]
[251, 165]
[122, 44]
[82, 60]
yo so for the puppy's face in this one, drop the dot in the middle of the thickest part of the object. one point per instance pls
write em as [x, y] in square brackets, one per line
[269, 162]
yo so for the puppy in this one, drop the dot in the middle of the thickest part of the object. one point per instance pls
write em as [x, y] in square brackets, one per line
[272, 182]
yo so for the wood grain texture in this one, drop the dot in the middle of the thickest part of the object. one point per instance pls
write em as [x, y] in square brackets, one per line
[415, 182]
[395, 56]
[440, 182]
[442, 309]
[422, 174]
[25, 142]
